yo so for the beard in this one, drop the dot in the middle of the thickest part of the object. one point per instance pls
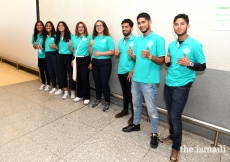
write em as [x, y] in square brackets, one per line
[127, 34]
[145, 30]
[182, 33]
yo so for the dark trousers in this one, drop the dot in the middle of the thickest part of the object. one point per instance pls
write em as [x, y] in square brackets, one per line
[83, 86]
[176, 98]
[101, 69]
[51, 62]
[44, 74]
[64, 67]
[126, 91]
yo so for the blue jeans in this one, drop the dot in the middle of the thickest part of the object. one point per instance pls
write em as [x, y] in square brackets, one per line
[176, 98]
[149, 92]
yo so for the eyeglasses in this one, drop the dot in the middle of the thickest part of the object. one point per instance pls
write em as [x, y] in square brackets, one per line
[80, 27]
[97, 26]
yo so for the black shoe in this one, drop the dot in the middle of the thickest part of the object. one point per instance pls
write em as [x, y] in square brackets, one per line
[154, 140]
[96, 103]
[107, 105]
[131, 127]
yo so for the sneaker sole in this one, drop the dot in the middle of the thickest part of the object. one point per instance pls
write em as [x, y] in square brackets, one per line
[76, 101]
[153, 146]
[131, 130]
[96, 105]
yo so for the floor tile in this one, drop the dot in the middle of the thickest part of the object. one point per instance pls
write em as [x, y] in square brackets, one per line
[7, 133]
[62, 106]
[104, 147]
[31, 118]
[25, 150]
[152, 156]
[63, 135]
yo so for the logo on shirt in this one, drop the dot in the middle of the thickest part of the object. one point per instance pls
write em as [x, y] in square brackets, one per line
[52, 39]
[84, 39]
[131, 44]
[103, 40]
[150, 43]
[186, 50]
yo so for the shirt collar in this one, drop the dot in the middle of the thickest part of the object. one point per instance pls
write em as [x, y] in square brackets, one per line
[148, 36]
[186, 41]
[129, 39]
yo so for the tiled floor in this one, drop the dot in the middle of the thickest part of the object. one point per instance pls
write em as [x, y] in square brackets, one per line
[36, 127]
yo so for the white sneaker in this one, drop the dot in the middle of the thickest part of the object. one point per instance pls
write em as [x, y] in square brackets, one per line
[86, 102]
[47, 88]
[66, 95]
[72, 94]
[58, 92]
[42, 87]
[77, 99]
[53, 90]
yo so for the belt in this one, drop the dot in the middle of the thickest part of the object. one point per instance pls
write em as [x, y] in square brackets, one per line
[83, 56]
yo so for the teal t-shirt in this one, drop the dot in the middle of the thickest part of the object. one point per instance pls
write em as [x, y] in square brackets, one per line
[125, 64]
[49, 41]
[101, 44]
[145, 70]
[178, 75]
[83, 48]
[41, 53]
[64, 46]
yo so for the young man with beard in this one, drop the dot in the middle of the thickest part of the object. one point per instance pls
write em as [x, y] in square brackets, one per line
[185, 57]
[149, 51]
[125, 67]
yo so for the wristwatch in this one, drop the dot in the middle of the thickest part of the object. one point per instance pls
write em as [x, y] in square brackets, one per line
[191, 64]
[150, 57]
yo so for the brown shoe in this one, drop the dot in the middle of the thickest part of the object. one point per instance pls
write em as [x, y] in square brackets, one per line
[122, 113]
[166, 140]
[130, 121]
[175, 155]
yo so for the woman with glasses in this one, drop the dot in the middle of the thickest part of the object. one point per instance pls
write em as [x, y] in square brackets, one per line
[102, 48]
[79, 47]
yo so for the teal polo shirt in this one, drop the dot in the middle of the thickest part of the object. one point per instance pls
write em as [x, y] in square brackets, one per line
[125, 64]
[83, 48]
[64, 46]
[41, 53]
[178, 75]
[145, 70]
[101, 44]
[49, 41]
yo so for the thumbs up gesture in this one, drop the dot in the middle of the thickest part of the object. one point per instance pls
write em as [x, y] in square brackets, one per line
[184, 61]
[167, 58]
[130, 51]
[145, 53]
[53, 45]
[117, 52]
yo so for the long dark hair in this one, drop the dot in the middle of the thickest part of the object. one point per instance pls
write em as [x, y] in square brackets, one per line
[46, 33]
[36, 31]
[66, 34]
[106, 29]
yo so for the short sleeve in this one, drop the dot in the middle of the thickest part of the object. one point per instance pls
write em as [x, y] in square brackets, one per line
[160, 47]
[110, 43]
[199, 54]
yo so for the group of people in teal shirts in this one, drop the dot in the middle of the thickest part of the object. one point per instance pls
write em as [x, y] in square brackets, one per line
[140, 61]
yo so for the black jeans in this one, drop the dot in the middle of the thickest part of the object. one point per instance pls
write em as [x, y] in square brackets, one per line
[126, 91]
[51, 62]
[83, 86]
[101, 69]
[176, 98]
[44, 74]
[64, 66]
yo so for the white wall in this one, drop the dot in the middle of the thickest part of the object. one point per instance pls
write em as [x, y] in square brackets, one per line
[17, 19]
